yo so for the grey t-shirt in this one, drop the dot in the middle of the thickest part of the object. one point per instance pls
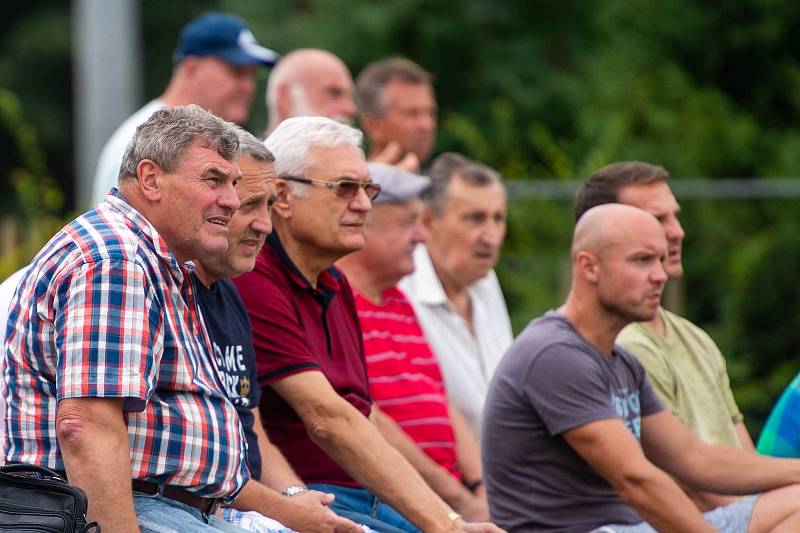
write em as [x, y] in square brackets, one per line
[550, 381]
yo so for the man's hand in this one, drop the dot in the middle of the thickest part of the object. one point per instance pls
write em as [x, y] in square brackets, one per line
[476, 508]
[310, 514]
[393, 154]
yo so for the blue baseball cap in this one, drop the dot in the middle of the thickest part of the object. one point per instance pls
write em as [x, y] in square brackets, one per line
[224, 36]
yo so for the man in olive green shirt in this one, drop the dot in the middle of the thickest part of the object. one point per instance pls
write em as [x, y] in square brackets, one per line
[688, 373]
[683, 364]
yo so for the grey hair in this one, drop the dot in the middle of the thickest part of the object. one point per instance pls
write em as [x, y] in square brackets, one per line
[442, 171]
[168, 132]
[292, 139]
[251, 147]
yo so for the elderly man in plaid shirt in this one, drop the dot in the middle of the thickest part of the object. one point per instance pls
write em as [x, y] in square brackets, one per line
[108, 375]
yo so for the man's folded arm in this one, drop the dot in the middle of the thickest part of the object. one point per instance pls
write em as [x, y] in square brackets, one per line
[612, 450]
[351, 440]
[93, 439]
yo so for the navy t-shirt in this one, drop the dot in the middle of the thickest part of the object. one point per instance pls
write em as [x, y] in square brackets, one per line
[229, 328]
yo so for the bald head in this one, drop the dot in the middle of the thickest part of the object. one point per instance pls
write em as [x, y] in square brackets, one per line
[618, 254]
[609, 224]
[310, 82]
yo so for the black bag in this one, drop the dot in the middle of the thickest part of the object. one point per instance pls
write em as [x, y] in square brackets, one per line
[35, 499]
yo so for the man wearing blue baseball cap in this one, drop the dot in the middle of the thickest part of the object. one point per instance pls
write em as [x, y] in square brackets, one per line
[215, 66]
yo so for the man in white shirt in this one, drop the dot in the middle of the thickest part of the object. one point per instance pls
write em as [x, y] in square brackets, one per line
[215, 68]
[453, 289]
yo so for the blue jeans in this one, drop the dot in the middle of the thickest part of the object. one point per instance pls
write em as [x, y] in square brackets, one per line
[157, 514]
[362, 507]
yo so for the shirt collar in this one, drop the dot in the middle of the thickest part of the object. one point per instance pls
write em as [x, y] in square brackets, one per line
[142, 227]
[428, 289]
[327, 283]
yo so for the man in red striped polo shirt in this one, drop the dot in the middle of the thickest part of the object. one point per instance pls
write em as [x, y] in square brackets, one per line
[404, 376]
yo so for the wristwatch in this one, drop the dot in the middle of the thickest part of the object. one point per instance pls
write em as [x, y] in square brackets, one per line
[294, 490]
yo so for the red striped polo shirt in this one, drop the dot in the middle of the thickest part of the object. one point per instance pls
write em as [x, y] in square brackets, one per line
[404, 376]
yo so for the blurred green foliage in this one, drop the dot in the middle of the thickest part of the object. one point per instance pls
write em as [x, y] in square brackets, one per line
[535, 89]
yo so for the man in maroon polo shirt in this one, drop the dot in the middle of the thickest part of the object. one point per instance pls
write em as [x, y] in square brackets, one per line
[316, 405]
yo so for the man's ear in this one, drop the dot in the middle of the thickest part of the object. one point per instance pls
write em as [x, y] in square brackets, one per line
[428, 218]
[189, 66]
[588, 266]
[149, 178]
[283, 202]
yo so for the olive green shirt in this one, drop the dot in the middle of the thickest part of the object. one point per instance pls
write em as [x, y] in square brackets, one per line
[688, 372]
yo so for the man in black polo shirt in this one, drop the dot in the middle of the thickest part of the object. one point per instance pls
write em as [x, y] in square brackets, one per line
[229, 330]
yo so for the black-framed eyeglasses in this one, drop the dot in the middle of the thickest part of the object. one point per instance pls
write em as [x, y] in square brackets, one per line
[344, 187]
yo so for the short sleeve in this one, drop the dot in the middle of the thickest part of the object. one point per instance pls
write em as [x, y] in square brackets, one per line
[567, 389]
[724, 384]
[108, 333]
[281, 343]
[659, 374]
[649, 402]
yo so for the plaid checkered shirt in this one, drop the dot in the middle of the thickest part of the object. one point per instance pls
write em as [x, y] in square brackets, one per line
[106, 311]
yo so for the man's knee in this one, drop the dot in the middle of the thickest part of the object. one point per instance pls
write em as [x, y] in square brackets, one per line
[776, 507]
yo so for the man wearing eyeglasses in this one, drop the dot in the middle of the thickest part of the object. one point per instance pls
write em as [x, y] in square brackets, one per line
[316, 405]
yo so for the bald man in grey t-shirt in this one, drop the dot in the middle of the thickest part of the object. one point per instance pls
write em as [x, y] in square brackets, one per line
[574, 438]
[550, 381]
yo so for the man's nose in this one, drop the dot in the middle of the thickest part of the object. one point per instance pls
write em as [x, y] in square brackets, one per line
[229, 198]
[262, 224]
[659, 275]
[493, 234]
[360, 201]
[674, 230]
[348, 107]
[420, 233]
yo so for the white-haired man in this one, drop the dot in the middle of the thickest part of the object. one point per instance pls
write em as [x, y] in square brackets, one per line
[316, 403]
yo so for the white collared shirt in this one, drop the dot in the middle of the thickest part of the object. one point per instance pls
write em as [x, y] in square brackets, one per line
[7, 290]
[468, 361]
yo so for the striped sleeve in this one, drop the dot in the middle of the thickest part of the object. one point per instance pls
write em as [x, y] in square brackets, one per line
[106, 324]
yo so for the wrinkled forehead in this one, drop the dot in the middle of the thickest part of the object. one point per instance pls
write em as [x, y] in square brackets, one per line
[254, 185]
[463, 194]
[654, 197]
[342, 161]
[402, 93]
[202, 155]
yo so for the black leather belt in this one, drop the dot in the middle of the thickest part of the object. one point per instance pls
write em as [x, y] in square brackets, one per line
[173, 492]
